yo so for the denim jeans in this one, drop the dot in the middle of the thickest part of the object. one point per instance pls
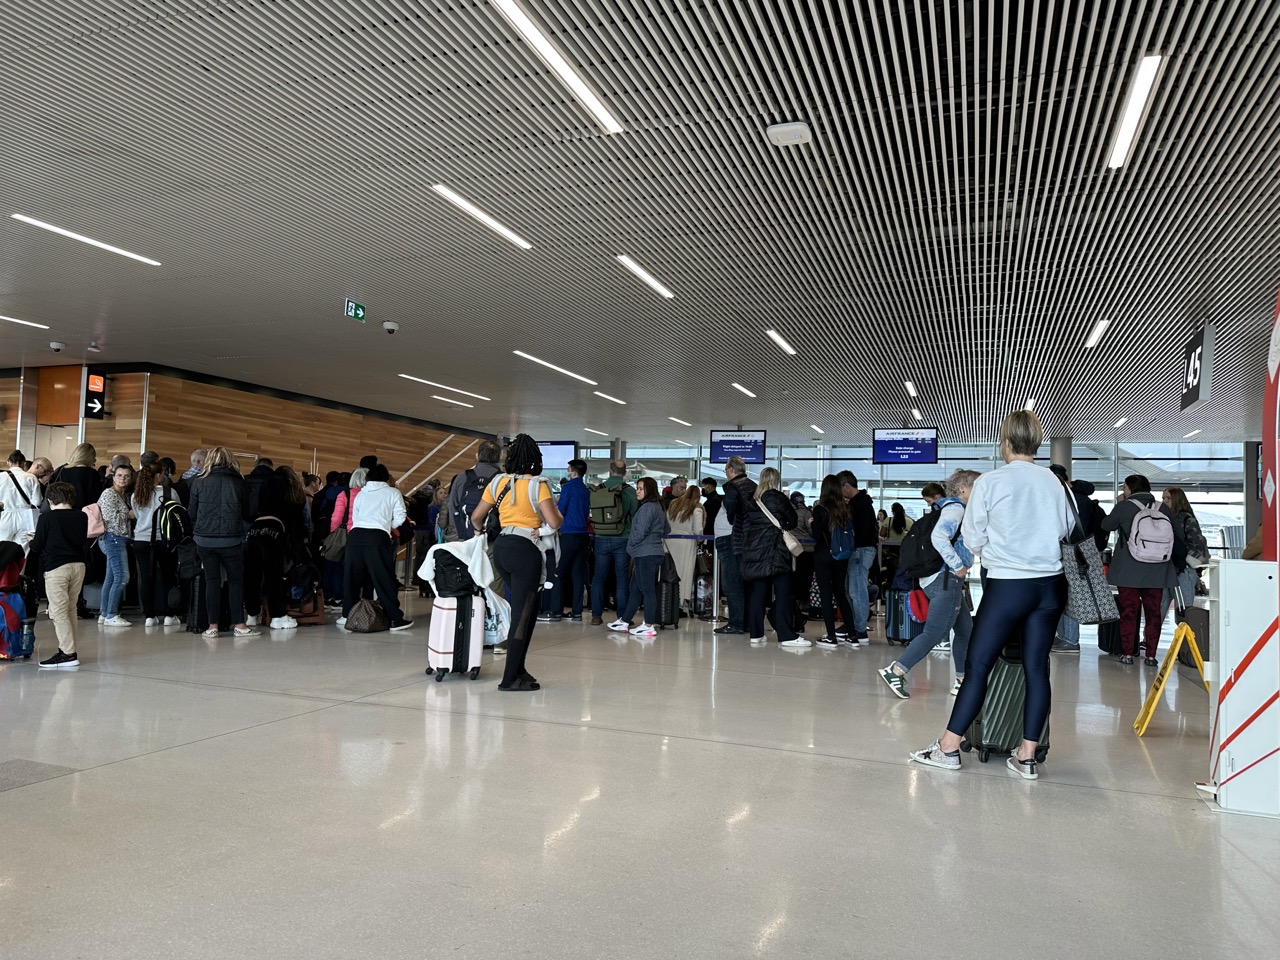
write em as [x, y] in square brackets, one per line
[1069, 630]
[946, 610]
[644, 589]
[116, 548]
[731, 583]
[859, 569]
[611, 553]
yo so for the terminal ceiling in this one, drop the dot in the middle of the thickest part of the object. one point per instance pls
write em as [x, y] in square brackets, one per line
[952, 223]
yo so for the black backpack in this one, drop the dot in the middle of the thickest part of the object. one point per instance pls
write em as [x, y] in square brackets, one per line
[472, 491]
[918, 557]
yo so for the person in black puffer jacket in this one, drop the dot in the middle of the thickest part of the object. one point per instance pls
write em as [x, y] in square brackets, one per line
[218, 510]
[766, 563]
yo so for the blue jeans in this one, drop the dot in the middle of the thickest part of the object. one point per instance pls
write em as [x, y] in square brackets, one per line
[611, 552]
[1008, 607]
[116, 548]
[859, 569]
[731, 582]
[1069, 630]
[946, 610]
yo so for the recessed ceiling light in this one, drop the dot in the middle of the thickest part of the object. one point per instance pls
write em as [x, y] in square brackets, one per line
[1120, 423]
[1139, 94]
[738, 386]
[600, 432]
[684, 423]
[911, 388]
[432, 383]
[1096, 333]
[683, 444]
[552, 366]
[83, 239]
[94, 348]
[917, 414]
[464, 204]
[1188, 436]
[777, 338]
[607, 397]
[26, 323]
[644, 275]
[1031, 403]
[436, 396]
[816, 429]
[553, 59]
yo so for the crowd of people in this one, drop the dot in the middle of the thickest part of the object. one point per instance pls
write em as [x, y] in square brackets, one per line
[603, 546]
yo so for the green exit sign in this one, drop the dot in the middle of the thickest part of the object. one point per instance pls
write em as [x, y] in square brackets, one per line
[355, 310]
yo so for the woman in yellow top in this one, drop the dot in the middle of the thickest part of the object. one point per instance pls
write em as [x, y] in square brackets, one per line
[517, 553]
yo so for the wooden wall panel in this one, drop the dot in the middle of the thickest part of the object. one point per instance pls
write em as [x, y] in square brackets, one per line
[183, 415]
[121, 430]
[10, 395]
[58, 396]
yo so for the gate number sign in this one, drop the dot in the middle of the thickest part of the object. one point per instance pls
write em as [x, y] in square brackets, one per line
[1196, 368]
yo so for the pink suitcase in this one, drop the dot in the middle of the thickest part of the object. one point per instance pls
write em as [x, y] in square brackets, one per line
[455, 642]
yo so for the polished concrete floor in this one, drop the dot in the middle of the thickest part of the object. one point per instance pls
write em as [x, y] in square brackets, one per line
[313, 794]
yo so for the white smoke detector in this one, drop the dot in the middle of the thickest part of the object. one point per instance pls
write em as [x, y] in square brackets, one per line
[789, 134]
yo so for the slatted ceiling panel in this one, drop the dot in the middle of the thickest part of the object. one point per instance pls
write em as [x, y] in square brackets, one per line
[952, 223]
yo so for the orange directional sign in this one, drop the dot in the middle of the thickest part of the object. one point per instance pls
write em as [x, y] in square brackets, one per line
[94, 396]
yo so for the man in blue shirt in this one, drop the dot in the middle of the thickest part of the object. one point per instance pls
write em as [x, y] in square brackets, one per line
[575, 507]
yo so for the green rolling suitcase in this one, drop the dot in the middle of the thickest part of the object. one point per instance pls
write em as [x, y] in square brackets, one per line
[998, 727]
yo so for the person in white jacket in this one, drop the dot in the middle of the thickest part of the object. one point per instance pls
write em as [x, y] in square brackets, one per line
[376, 514]
[20, 498]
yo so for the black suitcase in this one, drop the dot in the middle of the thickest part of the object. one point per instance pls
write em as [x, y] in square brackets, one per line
[1109, 637]
[898, 625]
[1198, 621]
[197, 611]
[998, 727]
[668, 612]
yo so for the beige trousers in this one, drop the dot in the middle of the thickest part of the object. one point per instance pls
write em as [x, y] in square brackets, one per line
[62, 584]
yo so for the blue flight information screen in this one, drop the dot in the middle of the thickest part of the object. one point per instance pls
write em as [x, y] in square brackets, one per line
[905, 446]
[747, 444]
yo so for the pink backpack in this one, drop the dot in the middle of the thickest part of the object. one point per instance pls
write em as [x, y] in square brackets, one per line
[1150, 535]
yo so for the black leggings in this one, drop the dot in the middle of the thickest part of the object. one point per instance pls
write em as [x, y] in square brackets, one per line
[155, 577]
[369, 568]
[832, 589]
[1009, 607]
[520, 566]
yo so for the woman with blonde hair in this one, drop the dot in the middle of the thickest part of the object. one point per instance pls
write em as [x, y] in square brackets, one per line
[218, 509]
[687, 518]
[766, 563]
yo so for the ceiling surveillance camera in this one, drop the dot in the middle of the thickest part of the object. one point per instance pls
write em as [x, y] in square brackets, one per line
[390, 326]
[56, 347]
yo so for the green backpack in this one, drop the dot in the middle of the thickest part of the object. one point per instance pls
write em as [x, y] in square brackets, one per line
[608, 510]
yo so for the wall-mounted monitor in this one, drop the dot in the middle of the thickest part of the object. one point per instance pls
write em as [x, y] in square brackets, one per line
[556, 455]
[747, 444]
[905, 446]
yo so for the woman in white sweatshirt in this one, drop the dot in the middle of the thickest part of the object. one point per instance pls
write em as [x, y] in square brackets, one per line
[1015, 520]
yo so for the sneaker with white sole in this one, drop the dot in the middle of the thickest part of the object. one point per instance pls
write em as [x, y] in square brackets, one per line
[151, 622]
[955, 687]
[932, 756]
[283, 623]
[60, 660]
[828, 643]
[644, 630]
[798, 642]
[342, 621]
[896, 681]
[1026, 769]
[172, 621]
[757, 639]
[620, 625]
[251, 621]
[101, 618]
[116, 621]
[943, 647]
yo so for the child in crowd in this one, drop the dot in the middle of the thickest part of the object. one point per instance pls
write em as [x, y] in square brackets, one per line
[59, 540]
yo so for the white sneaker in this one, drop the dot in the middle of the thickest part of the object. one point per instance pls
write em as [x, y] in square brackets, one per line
[116, 621]
[943, 647]
[757, 639]
[101, 618]
[151, 622]
[955, 687]
[620, 625]
[172, 621]
[644, 630]
[283, 623]
[342, 621]
[251, 621]
[933, 756]
[797, 642]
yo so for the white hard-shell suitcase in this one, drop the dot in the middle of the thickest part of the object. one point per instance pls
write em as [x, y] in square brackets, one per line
[455, 642]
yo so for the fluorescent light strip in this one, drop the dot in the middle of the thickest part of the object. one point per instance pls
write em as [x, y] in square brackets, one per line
[83, 239]
[483, 217]
[1031, 403]
[607, 397]
[683, 423]
[738, 386]
[26, 323]
[597, 432]
[816, 429]
[432, 383]
[552, 366]
[1188, 436]
[776, 337]
[683, 444]
[1139, 94]
[436, 396]
[911, 388]
[917, 414]
[553, 59]
[1120, 423]
[1095, 335]
[644, 275]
